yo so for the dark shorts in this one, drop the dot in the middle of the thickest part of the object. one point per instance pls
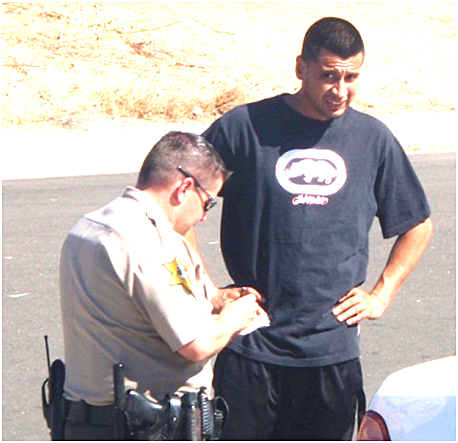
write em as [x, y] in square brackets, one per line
[270, 402]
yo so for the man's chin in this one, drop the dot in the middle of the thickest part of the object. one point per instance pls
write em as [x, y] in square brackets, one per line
[335, 110]
[337, 113]
[327, 113]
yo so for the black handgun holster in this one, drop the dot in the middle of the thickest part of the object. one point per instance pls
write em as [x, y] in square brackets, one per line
[192, 416]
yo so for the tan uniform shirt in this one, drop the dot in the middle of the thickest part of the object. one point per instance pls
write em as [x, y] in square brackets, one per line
[132, 292]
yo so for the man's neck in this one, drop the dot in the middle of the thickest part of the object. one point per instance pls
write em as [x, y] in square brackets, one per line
[295, 102]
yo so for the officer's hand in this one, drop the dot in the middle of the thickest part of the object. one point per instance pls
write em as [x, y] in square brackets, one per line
[233, 293]
[358, 305]
[240, 313]
[229, 294]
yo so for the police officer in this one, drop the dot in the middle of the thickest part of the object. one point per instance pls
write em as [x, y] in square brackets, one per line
[134, 291]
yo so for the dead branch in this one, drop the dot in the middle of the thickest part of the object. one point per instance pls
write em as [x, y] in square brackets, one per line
[149, 30]
[16, 65]
[209, 27]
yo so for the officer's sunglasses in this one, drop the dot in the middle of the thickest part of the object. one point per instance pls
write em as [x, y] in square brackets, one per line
[211, 201]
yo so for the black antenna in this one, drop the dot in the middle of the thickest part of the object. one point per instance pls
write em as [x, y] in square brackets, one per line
[48, 359]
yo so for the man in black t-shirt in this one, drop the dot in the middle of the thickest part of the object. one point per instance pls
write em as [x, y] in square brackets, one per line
[310, 176]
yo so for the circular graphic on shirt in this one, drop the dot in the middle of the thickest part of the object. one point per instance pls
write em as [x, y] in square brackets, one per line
[311, 171]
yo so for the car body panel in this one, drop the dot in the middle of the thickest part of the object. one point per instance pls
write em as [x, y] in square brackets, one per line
[419, 402]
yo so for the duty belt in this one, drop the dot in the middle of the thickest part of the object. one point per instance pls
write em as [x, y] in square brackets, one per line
[82, 412]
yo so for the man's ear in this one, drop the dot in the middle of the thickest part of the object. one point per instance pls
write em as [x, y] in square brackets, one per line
[301, 67]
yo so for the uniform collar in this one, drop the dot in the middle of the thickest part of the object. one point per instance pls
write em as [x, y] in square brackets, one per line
[152, 209]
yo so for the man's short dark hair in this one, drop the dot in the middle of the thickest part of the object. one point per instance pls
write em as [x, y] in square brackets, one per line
[191, 151]
[333, 34]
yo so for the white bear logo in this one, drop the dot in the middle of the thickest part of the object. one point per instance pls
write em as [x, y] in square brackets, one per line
[311, 171]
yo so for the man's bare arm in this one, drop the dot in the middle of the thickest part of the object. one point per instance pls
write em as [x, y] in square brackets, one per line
[358, 304]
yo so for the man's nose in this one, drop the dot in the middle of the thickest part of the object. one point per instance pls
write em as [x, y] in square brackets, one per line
[340, 88]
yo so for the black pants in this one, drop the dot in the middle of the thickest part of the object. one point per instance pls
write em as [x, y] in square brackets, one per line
[269, 402]
[86, 422]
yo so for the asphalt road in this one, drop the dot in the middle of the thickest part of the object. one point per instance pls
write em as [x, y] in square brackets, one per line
[419, 326]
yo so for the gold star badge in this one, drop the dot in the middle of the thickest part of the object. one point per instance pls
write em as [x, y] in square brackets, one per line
[179, 275]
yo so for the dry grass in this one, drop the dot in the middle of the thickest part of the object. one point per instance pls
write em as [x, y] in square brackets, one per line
[70, 63]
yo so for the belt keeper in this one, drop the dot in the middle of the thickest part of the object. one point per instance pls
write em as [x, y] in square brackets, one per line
[87, 413]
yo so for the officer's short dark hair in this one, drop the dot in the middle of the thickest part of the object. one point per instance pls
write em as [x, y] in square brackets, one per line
[333, 34]
[190, 151]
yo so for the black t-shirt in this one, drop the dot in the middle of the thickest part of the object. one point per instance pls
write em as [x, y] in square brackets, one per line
[296, 217]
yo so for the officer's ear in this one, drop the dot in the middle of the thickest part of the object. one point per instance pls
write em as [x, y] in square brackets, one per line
[180, 190]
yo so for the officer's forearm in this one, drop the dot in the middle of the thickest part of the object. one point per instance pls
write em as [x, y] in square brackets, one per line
[216, 337]
[218, 331]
